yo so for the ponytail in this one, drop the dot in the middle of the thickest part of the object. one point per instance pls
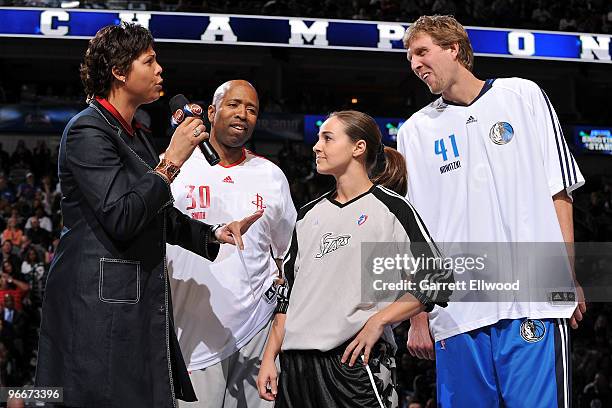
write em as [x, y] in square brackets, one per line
[381, 161]
[390, 170]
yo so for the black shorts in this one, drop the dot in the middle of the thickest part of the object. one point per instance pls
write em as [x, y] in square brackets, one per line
[316, 379]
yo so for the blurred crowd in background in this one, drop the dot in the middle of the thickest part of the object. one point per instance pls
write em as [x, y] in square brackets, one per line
[30, 221]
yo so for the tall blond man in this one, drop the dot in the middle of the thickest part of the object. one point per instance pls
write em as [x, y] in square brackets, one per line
[487, 162]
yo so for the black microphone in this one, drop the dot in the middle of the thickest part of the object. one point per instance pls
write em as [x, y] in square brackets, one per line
[181, 108]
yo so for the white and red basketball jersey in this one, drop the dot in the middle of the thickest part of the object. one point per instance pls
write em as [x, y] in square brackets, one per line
[487, 172]
[219, 306]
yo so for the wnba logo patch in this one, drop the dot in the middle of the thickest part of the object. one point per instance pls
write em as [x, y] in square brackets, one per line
[362, 219]
[532, 331]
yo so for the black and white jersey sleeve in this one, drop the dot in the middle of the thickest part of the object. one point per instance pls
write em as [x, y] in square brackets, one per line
[289, 269]
[411, 236]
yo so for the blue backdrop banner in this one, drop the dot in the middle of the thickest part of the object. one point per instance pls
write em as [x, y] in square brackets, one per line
[296, 32]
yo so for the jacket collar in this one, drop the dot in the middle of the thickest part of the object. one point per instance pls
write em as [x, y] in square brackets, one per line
[115, 122]
[104, 103]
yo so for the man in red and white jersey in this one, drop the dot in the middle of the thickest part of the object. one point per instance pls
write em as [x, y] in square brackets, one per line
[223, 308]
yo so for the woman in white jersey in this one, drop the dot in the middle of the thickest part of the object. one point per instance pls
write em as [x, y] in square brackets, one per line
[335, 335]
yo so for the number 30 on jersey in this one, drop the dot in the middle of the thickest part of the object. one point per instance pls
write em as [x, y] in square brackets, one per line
[198, 198]
[203, 200]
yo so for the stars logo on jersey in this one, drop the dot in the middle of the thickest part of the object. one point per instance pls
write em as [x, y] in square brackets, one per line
[471, 119]
[501, 133]
[258, 202]
[362, 219]
[228, 179]
[329, 243]
[532, 331]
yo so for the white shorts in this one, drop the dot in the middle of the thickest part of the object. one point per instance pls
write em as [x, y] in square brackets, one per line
[232, 382]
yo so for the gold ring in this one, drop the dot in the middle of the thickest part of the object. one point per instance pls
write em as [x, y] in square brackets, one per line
[196, 132]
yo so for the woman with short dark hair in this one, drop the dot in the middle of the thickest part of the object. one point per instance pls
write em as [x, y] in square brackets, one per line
[107, 335]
